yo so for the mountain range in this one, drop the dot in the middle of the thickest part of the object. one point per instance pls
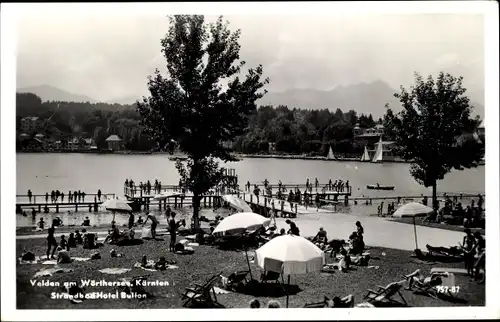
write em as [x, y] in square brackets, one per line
[363, 98]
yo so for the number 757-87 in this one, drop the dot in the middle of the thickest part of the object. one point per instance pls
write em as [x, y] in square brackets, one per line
[446, 289]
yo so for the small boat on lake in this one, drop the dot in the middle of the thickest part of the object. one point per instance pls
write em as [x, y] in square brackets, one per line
[379, 187]
[178, 158]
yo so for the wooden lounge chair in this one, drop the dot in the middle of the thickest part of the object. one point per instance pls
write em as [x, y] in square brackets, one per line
[270, 277]
[384, 295]
[434, 290]
[202, 294]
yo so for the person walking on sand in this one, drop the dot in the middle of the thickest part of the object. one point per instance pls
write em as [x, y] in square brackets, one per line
[154, 223]
[172, 229]
[29, 195]
[131, 220]
[51, 241]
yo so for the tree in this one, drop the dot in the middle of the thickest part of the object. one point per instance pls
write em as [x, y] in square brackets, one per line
[430, 128]
[201, 102]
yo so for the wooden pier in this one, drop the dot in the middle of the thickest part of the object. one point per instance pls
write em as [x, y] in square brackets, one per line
[266, 206]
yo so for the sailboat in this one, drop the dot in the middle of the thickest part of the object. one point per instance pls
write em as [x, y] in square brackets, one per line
[379, 153]
[365, 157]
[330, 155]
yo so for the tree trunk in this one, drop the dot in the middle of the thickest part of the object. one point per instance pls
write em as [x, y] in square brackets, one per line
[434, 196]
[196, 210]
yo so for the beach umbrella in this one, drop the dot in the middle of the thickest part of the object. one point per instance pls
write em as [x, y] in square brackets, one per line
[237, 203]
[242, 222]
[115, 205]
[290, 254]
[166, 196]
[413, 209]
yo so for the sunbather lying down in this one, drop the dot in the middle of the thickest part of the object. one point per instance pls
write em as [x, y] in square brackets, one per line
[181, 249]
[454, 250]
[337, 302]
[417, 278]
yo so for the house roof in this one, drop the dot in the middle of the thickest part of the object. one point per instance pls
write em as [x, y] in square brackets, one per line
[32, 118]
[379, 126]
[24, 135]
[39, 135]
[113, 138]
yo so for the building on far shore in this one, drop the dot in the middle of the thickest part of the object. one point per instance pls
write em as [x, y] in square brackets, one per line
[31, 124]
[114, 142]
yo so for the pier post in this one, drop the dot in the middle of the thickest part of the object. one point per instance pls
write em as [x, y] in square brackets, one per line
[205, 201]
[90, 207]
[295, 210]
[76, 207]
[346, 200]
[175, 202]
[39, 208]
[95, 207]
[57, 208]
[159, 204]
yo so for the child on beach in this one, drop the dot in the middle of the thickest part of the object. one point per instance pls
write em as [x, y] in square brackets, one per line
[78, 237]
[41, 224]
[63, 243]
[71, 241]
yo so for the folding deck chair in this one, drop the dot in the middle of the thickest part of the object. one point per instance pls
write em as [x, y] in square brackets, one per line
[384, 295]
[202, 294]
[434, 290]
[270, 277]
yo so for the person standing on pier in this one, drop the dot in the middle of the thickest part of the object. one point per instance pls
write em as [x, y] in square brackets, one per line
[126, 182]
[330, 184]
[280, 184]
[248, 186]
[29, 195]
[99, 194]
[62, 196]
[159, 186]
[58, 194]
[347, 185]
[291, 197]
[316, 183]
[51, 241]
[83, 196]
[52, 196]
[307, 184]
[256, 192]
[75, 194]
[70, 196]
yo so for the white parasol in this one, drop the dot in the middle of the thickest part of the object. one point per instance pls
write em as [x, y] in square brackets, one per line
[290, 254]
[413, 209]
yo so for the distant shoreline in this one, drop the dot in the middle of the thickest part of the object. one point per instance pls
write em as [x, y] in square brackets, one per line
[237, 155]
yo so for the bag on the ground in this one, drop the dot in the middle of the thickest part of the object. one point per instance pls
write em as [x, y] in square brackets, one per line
[146, 233]
[29, 256]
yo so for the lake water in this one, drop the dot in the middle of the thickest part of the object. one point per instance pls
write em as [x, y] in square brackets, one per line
[89, 172]
[45, 172]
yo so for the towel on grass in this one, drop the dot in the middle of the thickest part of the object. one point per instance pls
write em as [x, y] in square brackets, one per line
[219, 290]
[80, 259]
[193, 244]
[51, 271]
[114, 271]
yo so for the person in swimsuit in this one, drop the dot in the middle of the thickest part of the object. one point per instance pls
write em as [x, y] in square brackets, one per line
[172, 228]
[154, 224]
[469, 251]
[51, 242]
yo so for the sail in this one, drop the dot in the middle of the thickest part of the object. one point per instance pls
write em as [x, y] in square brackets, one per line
[330, 154]
[379, 152]
[365, 156]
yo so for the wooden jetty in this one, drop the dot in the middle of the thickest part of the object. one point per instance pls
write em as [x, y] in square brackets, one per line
[267, 206]
[24, 202]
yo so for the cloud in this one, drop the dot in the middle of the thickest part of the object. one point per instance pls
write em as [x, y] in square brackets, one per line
[106, 56]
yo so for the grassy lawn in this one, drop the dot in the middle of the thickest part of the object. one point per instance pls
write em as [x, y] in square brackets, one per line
[207, 261]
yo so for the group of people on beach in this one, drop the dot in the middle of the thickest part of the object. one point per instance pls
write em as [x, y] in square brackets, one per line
[56, 196]
[454, 212]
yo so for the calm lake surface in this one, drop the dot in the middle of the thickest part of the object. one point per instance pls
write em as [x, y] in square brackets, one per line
[87, 172]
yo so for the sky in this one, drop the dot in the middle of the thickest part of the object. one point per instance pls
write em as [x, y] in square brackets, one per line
[110, 56]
